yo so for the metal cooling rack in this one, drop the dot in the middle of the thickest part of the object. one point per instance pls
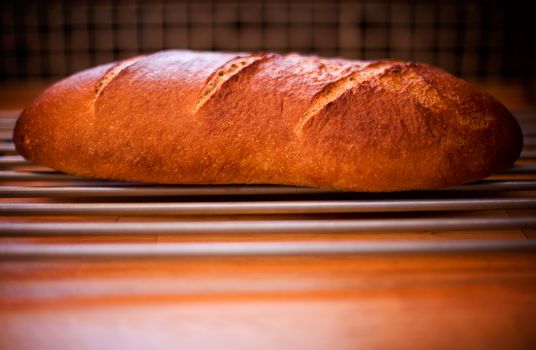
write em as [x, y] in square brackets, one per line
[39, 202]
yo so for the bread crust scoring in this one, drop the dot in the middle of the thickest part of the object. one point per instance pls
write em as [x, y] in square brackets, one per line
[184, 117]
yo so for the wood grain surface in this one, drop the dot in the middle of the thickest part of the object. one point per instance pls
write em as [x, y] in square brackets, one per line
[406, 301]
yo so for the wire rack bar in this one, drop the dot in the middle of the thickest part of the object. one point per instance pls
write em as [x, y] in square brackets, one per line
[133, 190]
[266, 207]
[7, 147]
[161, 250]
[266, 226]
[519, 170]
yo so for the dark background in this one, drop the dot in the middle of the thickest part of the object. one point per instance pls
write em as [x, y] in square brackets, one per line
[479, 40]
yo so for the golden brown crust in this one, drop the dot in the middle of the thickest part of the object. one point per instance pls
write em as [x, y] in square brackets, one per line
[216, 118]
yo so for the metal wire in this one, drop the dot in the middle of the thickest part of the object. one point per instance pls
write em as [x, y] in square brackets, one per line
[465, 205]
[145, 250]
[265, 226]
[7, 147]
[266, 207]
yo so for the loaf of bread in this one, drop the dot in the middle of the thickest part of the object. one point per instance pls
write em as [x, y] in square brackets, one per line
[183, 117]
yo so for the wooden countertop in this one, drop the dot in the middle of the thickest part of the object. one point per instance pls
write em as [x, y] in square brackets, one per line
[380, 301]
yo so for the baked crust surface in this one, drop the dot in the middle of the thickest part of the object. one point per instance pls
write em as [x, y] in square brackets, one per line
[183, 117]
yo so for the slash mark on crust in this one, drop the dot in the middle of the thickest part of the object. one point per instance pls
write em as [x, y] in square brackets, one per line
[113, 72]
[223, 74]
[336, 89]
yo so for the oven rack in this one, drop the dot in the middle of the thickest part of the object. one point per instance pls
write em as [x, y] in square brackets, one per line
[36, 202]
